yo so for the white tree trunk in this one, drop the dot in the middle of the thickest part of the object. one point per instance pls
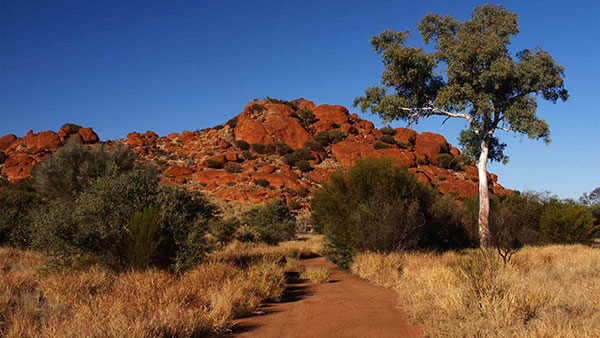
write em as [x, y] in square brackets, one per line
[484, 197]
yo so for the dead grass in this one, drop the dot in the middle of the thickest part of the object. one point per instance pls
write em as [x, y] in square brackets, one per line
[551, 291]
[315, 274]
[95, 302]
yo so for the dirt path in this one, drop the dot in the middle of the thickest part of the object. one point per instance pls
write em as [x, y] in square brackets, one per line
[345, 307]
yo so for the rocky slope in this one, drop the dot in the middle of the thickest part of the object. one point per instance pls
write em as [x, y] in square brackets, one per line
[214, 160]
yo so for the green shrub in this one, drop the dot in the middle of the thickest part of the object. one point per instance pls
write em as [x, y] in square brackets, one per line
[289, 159]
[336, 136]
[256, 108]
[303, 165]
[323, 138]
[241, 144]
[17, 201]
[258, 148]
[375, 206]
[233, 168]
[402, 145]
[218, 127]
[567, 223]
[295, 205]
[287, 103]
[303, 154]
[95, 224]
[232, 123]
[387, 139]
[283, 148]
[213, 164]
[145, 237]
[313, 145]
[262, 182]
[74, 166]
[380, 145]
[447, 161]
[247, 155]
[224, 230]
[445, 148]
[387, 130]
[271, 221]
[269, 149]
[421, 161]
[306, 117]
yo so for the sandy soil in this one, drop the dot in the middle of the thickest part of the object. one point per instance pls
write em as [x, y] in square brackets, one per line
[345, 307]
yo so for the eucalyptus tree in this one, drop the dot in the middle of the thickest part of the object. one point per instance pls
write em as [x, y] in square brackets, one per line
[468, 74]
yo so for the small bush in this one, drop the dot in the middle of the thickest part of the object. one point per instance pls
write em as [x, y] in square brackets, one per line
[421, 161]
[17, 201]
[303, 165]
[294, 205]
[303, 154]
[269, 149]
[442, 178]
[224, 230]
[241, 144]
[232, 123]
[387, 130]
[306, 117]
[256, 108]
[283, 149]
[262, 182]
[145, 237]
[218, 127]
[314, 146]
[316, 275]
[258, 148]
[272, 221]
[447, 161]
[302, 192]
[247, 155]
[336, 136]
[289, 159]
[287, 103]
[233, 168]
[380, 145]
[213, 164]
[323, 138]
[402, 145]
[387, 139]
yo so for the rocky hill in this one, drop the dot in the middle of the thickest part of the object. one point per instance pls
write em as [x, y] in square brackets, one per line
[273, 149]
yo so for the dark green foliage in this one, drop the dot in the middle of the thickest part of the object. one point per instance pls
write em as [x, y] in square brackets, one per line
[213, 164]
[387, 139]
[387, 130]
[323, 138]
[568, 223]
[262, 182]
[269, 149]
[218, 127]
[336, 136]
[338, 253]
[74, 127]
[376, 206]
[402, 145]
[447, 161]
[224, 230]
[95, 223]
[233, 168]
[17, 200]
[289, 159]
[287, 103]
[303, 165]
[258, 148]
[256, 108]
[66, 173]
[246, 155]
[144, 237]
[272, 221]
[232, 122]
[305, 116]
[241, 144]
[421, 161]
[380, 145]
[301, 154]
[313, 145]
[590, 198]
[283, 148]
[471, 147]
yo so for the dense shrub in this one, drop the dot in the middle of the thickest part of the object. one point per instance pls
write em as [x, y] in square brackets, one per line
[303, 165]
[271, 221]
[262, 182]
[283, 148]
[380, 145]
[287, 103]
[313, 145]
[305, 116]
[295, 205]
[447, 161]
[224, 229]
[323, 138]
[258, 148]
[145, 238]
[66, 173]
[375, 206]
[17, 200]
[387, 139]
[233, 168]
[269, 149]
[289, 159]
[247, 155]
[387, 130]
[567, 222]
[336, 136]
[218, 127]
[302, 192]
[301, 154]
[95, 223]
[256, 108]
[241, 144]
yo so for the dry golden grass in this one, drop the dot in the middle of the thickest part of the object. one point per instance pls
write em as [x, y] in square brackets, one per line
[551, 291]
[315, 274]
[95, 302]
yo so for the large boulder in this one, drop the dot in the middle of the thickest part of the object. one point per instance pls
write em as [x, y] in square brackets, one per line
[330, 117]
[429, 145]
[6, 141]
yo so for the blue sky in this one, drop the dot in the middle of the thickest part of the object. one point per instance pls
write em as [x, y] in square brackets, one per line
[169, 66]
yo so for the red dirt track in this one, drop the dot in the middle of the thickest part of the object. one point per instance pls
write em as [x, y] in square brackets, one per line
[345, 307]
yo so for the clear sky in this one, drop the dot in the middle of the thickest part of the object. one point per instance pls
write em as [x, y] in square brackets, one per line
[168, 66]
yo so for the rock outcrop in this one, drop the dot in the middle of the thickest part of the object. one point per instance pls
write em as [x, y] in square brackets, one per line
[213, 162]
